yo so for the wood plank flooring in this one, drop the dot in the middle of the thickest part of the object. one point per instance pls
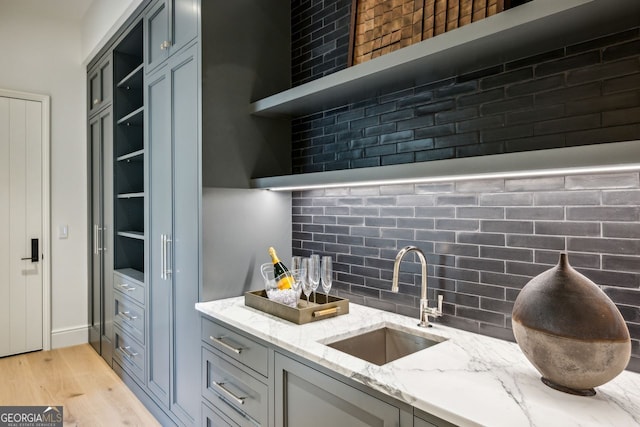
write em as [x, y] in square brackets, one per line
[76, 378]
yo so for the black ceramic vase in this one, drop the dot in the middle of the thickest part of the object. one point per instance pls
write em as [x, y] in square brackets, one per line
[570, 330]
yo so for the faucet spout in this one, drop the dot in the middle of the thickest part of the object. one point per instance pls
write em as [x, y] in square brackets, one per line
[425, 311]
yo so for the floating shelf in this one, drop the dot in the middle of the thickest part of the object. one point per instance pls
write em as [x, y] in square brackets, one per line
[134, 156]
[133, 119]
[138, 235]
[131, 274]
[130, 196]
[619, 156]
[534, 27]
[133, 79]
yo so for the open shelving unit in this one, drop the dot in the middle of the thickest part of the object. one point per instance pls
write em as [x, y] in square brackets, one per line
[129, 167]
[534, 27]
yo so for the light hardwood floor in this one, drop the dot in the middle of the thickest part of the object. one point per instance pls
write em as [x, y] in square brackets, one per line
[76, 378]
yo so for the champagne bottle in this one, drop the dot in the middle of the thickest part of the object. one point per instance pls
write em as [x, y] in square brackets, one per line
[280, 271]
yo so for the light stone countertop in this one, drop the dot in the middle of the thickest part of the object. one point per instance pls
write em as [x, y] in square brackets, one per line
[468, 380]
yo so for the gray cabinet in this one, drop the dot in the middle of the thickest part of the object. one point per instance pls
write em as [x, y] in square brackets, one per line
[99, 85]
[101, 237]
[305, 396]
[171, 98]
[235, 376]
[170, 25]
[247, 382]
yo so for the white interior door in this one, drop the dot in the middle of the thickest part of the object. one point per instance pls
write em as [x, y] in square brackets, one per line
[21, 223]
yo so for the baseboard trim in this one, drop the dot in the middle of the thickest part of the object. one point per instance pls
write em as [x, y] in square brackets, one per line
[69, 337]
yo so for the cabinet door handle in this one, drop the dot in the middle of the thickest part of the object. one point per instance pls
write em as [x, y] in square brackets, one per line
[127, 288]
[225, 345]
[163, 248]
[103, 240]
[126, 352]
[127, 316]
[95, 239]
[95, 101]
[168, 262]
[226, 393]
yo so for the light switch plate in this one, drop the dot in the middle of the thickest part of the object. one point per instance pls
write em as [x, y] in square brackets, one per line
[63, 232]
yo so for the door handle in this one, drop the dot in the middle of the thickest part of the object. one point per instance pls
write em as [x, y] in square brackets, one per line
[163, 257]
[35, 255]
[168, 264]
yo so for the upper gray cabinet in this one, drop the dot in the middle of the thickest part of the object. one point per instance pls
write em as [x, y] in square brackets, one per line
[100, 81]
[169, 26]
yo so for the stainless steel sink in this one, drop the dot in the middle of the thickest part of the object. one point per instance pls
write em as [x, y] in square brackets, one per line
[384, 345]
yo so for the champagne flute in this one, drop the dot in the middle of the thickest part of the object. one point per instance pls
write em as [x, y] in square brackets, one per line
[326, 275]
[314, 273]
[298, 272]
[306, 283]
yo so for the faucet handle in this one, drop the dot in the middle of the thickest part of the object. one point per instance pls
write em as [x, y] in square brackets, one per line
[440, 299]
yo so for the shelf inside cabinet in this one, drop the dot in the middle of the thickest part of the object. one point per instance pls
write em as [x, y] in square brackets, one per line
[130, 196]
[132, 157]
[133, 79]
[534, 27]
[134, 118]
[138, 235]
[131, 274]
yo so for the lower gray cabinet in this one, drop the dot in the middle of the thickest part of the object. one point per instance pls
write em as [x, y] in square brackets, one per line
[307, 397]
[247, 382]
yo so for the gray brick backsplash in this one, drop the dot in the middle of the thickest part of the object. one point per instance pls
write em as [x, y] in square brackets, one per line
[567, 228]
[603, 213]
[629, 197]
[523, 227]
[625, 180]
[606, 246]
[628, 230]
[506, 199]
[546, 213]
[500, 253]
[480, 212]
[621, 263]
[567, 198]
[479, 238]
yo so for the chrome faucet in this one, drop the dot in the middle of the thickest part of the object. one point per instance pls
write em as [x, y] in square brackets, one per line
[425, 310]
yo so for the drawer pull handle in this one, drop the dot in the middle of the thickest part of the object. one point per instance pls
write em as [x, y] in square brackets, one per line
[326, 312]
[225, 345]
[127, 288]
[227, 393]
[126, 352]
[127, 316]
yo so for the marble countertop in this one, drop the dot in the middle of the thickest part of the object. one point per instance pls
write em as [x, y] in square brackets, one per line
[468, 379]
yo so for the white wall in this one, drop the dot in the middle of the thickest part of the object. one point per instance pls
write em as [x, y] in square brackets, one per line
[45, 47]
[101, 21]
[42, 54]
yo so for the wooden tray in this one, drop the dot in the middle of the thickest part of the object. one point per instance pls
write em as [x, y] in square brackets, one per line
[325, 306]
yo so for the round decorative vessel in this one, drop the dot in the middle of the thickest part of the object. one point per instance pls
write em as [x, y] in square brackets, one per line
[570, 330]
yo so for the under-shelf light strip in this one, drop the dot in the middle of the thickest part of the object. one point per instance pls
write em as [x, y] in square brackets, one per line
[467, 177]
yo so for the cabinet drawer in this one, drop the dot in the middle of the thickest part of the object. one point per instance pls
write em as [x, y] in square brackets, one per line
[130, 287]
[234, 392]
[129, 354]
[129, 317]
[212, 418]
[236, 346]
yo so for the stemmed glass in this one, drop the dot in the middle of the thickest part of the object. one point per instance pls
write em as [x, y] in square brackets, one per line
[327, 275]
[298, 272]
[306, 283]
[314, 273]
